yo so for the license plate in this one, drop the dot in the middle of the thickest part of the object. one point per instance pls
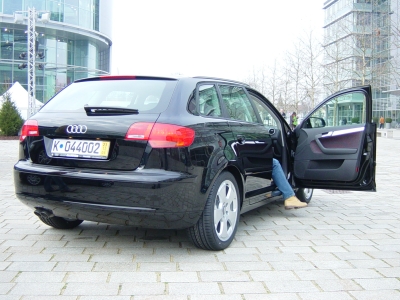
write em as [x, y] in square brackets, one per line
[80, 148]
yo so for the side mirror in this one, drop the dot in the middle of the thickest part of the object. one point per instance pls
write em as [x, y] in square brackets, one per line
[315, 122]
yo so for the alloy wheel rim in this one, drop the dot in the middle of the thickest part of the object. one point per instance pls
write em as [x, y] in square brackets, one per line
[225, 210]
[307, 193]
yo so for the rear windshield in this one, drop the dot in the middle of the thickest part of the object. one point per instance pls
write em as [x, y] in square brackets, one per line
[149, 96]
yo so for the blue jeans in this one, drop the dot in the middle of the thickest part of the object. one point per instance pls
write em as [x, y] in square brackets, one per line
[280, 180]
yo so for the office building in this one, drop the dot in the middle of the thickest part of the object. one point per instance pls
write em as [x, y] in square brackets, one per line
[361, 41]
[73, 41]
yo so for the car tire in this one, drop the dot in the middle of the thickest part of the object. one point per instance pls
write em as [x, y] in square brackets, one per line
[58, 222]
[218, 223]
[304, 194]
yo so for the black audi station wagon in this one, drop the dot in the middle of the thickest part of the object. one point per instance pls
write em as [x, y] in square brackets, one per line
[184, 153]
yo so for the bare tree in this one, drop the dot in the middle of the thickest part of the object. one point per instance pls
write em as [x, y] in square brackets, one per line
[312, 71]
[273, 86]
[257, 79]
[338, 56]
[293, 70]
[286, 94]
[294, 81]
[265, 80]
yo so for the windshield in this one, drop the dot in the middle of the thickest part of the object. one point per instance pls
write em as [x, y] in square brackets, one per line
[143, 95]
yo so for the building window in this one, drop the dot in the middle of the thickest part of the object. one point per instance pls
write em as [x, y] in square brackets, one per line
[56, 11]
[10, 6]
[71, 12]
[37, 4]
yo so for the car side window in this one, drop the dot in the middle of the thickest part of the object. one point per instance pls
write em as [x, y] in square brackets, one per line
[208, 101]
[344, 110]
[267, 117]
[237, 103]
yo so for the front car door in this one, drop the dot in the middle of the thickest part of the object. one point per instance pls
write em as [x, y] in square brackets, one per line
[252, 141]
[336, 143]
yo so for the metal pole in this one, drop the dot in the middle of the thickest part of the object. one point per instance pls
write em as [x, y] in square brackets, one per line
[31, 61]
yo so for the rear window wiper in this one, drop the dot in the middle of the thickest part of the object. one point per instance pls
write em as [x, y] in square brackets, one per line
[106, 111]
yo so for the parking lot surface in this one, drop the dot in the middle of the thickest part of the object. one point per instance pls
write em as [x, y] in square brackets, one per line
[344, 245]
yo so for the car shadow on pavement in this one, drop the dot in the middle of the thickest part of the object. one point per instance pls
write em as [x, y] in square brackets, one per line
[120, 236]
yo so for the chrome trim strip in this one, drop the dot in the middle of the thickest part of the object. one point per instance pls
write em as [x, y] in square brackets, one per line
[347, 131]
[110, 206]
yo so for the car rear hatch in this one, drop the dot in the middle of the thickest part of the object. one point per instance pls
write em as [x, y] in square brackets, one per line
[98, 123]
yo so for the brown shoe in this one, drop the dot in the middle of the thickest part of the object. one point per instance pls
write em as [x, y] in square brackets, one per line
[293, 202]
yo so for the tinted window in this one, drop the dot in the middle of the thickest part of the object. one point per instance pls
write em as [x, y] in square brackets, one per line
[208, 101]
[237, 103]
[144, 95]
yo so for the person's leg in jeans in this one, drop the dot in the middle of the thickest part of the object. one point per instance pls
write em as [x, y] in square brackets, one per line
[283, 185]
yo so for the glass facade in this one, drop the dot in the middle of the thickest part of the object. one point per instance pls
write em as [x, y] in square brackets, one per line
[63, 53]
[82, 13]
[361, 43]
[386, 61]
[347, 42]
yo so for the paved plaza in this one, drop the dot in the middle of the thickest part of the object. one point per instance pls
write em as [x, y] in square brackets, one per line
[345, 245]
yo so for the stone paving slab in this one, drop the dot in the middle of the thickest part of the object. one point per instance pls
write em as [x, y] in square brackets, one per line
[345, 245]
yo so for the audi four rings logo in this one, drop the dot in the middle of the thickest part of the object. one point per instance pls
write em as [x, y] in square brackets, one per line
[76, 129]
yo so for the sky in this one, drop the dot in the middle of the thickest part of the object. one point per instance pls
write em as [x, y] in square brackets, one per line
[219, 38]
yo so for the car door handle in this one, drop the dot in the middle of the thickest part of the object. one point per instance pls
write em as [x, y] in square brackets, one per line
[241, 139]
[334, 150]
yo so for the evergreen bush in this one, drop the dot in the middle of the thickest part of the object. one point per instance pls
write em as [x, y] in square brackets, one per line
[10, 118]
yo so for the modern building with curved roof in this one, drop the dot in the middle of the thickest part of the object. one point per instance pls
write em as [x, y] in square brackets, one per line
[73, 41]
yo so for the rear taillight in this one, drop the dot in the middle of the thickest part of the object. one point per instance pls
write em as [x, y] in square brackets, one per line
[30, 128]
[161, 135]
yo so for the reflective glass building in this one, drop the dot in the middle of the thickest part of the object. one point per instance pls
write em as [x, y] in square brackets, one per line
[361, 44]
[74, 43]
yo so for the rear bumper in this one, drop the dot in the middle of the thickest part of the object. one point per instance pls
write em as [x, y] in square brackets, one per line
[151, 198]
